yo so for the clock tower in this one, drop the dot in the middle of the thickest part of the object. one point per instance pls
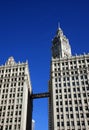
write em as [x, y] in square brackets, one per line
[60, 45]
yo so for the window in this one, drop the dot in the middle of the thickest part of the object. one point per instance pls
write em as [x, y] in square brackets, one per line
[56, 96]
[84, 94]
[16, 112]
[71, 115]
[66, 108]
[72, 123]
[6, 128]
[88, 88]
[78, 123]
[63, 73]
[80, 66]
[73, 83]
[77, 83]
[69, 95]
[67, 115]
[60, 96]
[57, 116]
[75, 67]
[72, 72]
[72, 78]
[54, 64]
[55, 74]
[58, 123]
[78, 89]
[70, 102]
[83, 123]
[81, 115]
[80, 102]
[88, 122]
[18, 126]
[56, 91]
[64, 84]
[81, 77]
[85, 76]
[67, 73]
[61, 109]
[60, 102]
[56, 85]
[76, 108]
[57, 103]
[74, 89]
[65, 96]
[19, 84]
[64, 79]
[21, 89]
[62, 64]
[68, 89]
[20, 106]
[16, 106]
[66, 63]
[58, 74]
[59, 90]
[7, 120]
[71, 109]
[15, 127]
[14, 84]
[10, 119]
[87, 114]
[59, 85]
[55, 69]
[81, 108]
[83, 88]
[68, 123]
[67, 78]
[11, 113]
[68, 84]
[64, 90]
[57, 109]
[71, 63]
[86, 82]
[66, 68]
[9, 101]
[15, 119]
[85, 101]
[75, 96]
[79, 95]
[55, 79]
[66, 102]
[19, 119]
[62, 123]
[76, 77]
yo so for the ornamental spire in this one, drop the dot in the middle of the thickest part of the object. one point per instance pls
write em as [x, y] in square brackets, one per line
[58, 25]
[59, 30]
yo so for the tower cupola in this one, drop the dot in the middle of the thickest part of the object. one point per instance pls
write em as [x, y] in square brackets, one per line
[60, 45]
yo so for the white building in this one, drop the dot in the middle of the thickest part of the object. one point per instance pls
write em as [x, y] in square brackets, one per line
[15, 91]
[33, 125]
[69, 87]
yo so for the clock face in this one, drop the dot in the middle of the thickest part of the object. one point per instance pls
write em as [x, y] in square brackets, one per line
[65, 47]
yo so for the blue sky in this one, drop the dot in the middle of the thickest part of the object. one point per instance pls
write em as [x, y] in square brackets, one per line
[26, 30]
